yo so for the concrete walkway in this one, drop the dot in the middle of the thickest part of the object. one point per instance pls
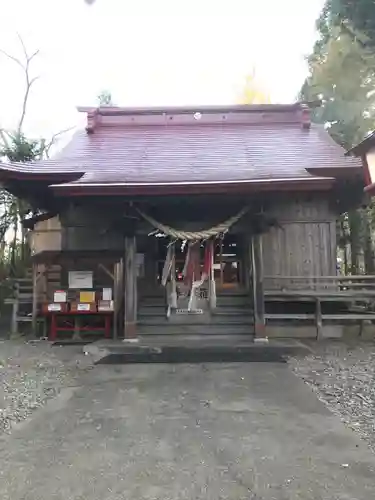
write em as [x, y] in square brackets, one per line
[214, 431]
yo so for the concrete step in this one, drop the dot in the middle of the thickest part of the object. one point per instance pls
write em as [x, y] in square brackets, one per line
[192, 340]
[174, 329]
[192, 348]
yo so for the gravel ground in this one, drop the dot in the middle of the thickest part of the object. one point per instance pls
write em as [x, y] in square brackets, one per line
[343, 377]
[33, 373]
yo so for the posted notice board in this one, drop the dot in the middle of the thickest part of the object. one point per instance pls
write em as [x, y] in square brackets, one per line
[80, 279]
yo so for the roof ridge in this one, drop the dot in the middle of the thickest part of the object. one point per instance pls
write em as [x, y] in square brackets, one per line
[298, 112]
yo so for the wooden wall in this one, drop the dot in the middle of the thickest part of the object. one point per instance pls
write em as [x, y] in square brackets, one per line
[306, 244]
[304, 247]
[91, 228]
[46, 236]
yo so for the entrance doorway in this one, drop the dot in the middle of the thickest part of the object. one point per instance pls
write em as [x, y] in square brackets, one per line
[228, 262]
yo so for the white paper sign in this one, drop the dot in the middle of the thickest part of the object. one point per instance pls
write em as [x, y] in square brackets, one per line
[54, 307]
[59, 296]
[83, 307]
[105, 305]
[107, 293]
[80, 279]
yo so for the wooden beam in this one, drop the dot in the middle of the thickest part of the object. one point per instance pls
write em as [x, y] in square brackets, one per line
[107, 271]
[258, 288]
[130, 286]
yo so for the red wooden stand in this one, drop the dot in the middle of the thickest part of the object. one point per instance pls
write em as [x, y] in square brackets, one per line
[75, 315]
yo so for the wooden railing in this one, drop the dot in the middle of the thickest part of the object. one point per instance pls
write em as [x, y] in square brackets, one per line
[319, 283]
[357, 292]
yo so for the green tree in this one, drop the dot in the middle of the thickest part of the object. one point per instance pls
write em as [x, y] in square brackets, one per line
[342, 77]
[356, 17]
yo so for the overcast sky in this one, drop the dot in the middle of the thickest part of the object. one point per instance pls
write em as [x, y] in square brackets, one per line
[150, 52]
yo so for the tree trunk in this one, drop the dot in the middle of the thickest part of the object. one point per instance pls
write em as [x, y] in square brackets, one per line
[354, 219]
[13, 250]
[369, 250]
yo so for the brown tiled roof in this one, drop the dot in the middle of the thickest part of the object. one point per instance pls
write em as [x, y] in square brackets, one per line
[196, 152]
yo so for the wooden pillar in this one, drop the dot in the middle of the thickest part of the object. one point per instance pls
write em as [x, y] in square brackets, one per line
[258, 287]
[130, 287]
[115, 300]
[118, 296]
[34, 317]
[318, 319]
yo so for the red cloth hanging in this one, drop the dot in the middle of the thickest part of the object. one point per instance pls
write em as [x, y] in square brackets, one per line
[192, 268]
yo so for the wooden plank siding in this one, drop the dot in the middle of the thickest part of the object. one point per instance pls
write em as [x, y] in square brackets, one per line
[304, 246]
[46, 236]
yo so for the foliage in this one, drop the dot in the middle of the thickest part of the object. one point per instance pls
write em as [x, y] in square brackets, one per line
[342, 76]
[252, 92]
[105, 98]
[21, 149]
[357, 17]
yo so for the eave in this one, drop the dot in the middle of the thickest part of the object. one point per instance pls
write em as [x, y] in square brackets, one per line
[346, 172]
[33, 172]
[362, 148]
[298, 184]
[30, 222]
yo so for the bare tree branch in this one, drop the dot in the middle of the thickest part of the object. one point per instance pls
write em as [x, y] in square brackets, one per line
[9, 56]
[29, 83]
[25, 66]
[23, 46]
[28, 58]
[48, 145]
